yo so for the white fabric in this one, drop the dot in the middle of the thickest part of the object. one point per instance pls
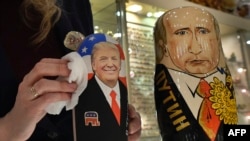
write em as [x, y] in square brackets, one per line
[79, 74]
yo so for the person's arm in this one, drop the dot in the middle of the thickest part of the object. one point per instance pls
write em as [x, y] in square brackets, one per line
[4, 131]
[134, 125]
[12, 128]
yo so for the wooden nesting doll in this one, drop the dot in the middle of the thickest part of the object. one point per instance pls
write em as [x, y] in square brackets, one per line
[101, 112]
[194, 92]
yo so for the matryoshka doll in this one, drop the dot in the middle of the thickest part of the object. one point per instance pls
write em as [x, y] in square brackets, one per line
[194, 92]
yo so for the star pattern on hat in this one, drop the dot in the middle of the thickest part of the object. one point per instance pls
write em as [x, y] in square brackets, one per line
[84, 50]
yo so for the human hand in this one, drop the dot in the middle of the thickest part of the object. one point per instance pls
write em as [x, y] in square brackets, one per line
[134, 125]
[35, 93]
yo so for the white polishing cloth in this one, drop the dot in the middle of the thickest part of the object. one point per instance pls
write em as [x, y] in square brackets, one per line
[79, 74]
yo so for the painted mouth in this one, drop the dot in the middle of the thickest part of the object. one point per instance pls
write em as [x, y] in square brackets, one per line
[197, 62]
[110, 70]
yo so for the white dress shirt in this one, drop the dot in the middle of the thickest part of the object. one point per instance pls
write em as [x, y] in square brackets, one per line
[106, 91]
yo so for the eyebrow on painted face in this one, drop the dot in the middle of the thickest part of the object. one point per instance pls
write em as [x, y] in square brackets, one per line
[106, 58]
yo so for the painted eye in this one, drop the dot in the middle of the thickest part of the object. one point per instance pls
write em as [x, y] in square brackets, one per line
[114, 58]
[181, 32]
[203, 31]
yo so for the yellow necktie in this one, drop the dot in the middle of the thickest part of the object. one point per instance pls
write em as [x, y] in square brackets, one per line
[207, 118]
[115, 106]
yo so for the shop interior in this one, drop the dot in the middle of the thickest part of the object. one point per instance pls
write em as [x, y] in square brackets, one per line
[134, 28]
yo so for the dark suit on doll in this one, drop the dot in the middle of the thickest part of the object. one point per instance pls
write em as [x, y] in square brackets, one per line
[176, 121]
[93, 99]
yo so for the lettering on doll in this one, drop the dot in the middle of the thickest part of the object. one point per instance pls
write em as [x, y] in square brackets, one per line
[175, 112]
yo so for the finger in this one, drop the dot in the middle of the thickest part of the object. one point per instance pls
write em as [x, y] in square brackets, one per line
[35, 109]
[131, 111]
[47, 67]
[47, 85]
[53, 60]
[134, 120]
[135, 136]
[134, 124]
[49, 98]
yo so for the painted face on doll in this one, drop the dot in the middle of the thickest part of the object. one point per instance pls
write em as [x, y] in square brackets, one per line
[106, 63]
[192, 42]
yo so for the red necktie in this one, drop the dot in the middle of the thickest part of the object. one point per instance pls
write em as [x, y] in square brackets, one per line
[207, 118]
[115, 106]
